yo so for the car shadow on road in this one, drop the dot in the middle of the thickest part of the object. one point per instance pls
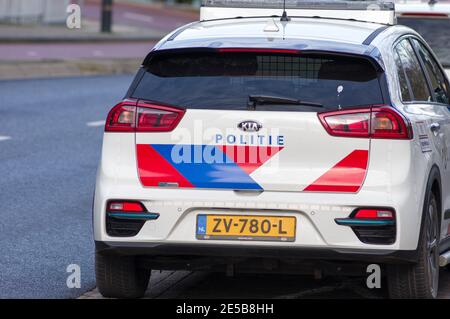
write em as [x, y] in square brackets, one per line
[208, 285]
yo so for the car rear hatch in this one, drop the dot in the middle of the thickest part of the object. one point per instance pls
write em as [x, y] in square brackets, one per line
[256, 119]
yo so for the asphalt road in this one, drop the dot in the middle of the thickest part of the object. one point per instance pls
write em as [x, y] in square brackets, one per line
[48, 159]
[50, 140]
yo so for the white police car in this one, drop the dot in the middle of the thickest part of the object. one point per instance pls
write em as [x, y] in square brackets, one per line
[263, 140]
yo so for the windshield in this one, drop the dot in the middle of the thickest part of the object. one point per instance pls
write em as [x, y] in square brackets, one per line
[225, 80]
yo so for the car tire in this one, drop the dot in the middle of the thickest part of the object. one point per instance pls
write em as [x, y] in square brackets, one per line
[419, 280]
[119, 276]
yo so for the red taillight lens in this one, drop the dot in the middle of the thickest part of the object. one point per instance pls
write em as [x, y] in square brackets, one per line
[130, 116]
[117, 206]
[351, 124]
[374, 214]
[386, 123]
[121, 118]
[155, 118]
[373, 122]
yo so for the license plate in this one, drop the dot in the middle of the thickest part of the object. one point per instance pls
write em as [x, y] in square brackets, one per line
[240, 227]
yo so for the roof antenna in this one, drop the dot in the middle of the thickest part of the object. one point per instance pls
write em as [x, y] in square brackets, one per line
[284, 17]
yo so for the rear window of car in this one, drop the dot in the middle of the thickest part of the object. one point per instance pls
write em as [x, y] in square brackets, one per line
[226, 80]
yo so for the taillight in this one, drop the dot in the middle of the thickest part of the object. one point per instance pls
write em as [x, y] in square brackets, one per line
[120, 206]
[129, 116]
[374, 214]
[371, 122]
[372, 225]
[157, 118]
[387, 123]
[348, 124]
[126, 218]
[121, 118]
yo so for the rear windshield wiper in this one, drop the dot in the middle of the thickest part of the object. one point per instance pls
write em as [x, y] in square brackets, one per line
[254, 100]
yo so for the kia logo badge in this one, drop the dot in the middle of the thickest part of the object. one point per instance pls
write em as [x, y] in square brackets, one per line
[250, 126]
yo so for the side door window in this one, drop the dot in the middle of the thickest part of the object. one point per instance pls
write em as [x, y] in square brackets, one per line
[413, 73]
[439, 83]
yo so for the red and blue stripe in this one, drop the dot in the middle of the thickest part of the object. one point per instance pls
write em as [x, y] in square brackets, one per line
[160, 164]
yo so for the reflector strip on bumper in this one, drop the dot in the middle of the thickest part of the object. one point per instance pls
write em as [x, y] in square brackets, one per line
[363, 222]
[134, 215]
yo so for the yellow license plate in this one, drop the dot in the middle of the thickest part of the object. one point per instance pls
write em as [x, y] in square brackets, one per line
[239, 227]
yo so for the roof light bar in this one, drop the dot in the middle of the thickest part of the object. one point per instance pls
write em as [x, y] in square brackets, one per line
[382, 5]
[379, 11]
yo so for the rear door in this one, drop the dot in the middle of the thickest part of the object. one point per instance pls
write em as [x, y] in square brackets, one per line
[417, 90]
[441, 90]
[255, 120]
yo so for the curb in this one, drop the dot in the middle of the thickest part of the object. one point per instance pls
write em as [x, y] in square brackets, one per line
[54, 69]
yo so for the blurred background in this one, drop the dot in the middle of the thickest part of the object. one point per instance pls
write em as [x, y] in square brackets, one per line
[116, 34]
[34, 35]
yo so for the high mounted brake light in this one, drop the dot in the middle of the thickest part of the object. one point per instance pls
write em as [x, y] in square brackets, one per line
[257, 50]
[371, 122]
[134, 116]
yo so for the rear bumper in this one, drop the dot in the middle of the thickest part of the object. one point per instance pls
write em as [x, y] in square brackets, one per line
[189, 251]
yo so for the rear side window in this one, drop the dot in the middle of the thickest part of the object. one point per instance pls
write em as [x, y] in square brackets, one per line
[413, 73]
[225, 80]
[405, 86]
[438, 81]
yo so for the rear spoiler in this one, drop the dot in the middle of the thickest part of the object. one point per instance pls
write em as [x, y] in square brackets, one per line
[431, 9]
[378, 11]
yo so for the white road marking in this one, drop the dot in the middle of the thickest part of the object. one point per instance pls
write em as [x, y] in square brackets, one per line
[95, 123]
[138, 17]
[4, 138]
[448, 72]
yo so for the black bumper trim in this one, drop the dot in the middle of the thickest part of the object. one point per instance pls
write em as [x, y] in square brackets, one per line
[220, 250]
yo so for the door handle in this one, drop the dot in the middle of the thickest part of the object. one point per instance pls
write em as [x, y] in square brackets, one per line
[435, 127]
